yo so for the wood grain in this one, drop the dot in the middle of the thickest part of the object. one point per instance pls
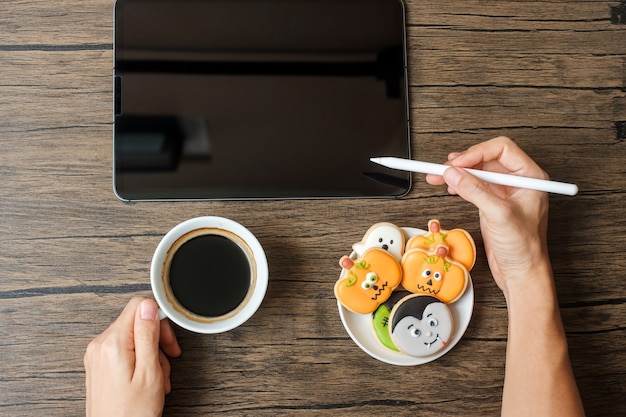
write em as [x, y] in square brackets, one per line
[550, 74]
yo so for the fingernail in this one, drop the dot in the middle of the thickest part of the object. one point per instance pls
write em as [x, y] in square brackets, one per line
[454, 155]
[452, 176]
[148, 310]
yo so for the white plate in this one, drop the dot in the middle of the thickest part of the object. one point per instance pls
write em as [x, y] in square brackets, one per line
[359, 326]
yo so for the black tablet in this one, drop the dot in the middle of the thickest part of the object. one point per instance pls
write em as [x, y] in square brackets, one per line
[246, 99]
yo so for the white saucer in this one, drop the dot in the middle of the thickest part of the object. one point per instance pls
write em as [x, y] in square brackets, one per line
[359, 326]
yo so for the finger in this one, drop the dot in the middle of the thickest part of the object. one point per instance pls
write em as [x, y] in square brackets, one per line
[146, 337]
[127, 316]
[477, 155]
[116, 343]
[125, 321]
[500, 154]
[454, 155]
[166, 369]
[473, 190]
[433, 179]
[168, 340]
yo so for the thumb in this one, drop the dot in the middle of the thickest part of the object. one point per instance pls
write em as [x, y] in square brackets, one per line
[472, 189]
[146, 334]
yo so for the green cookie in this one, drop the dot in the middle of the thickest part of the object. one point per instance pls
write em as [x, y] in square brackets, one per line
[380, 321]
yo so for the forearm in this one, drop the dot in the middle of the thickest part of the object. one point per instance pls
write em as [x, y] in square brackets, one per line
[539, 380]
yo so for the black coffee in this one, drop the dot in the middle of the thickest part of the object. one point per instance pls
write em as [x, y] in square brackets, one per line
[210, 275]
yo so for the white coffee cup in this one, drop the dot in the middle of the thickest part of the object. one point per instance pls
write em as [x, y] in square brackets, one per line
[168, 274]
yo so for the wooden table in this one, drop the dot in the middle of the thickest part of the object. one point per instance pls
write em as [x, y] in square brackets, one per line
[552, 75]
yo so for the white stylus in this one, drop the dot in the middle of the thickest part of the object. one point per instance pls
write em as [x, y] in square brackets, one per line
[492, 177]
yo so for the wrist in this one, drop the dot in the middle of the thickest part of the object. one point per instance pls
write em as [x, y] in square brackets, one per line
[531, 288]
[533, 307]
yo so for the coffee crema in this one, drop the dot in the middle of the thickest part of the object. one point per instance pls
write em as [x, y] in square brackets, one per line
[209, 274]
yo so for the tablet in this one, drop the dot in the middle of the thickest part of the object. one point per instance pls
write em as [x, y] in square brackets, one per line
[247, 99]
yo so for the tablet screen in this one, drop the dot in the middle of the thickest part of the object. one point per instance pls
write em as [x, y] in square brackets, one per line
[244, 99]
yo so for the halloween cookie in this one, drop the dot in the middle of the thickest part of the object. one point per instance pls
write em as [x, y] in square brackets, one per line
[368, 281]
[380, 319]
[385, 236]
[434, 273]
[461, 246]
[413, 325]
[421, 325]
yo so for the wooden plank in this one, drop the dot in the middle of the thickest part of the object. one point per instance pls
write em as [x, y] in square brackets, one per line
[549, 74]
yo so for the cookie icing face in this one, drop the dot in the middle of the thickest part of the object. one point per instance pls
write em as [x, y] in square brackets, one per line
[431, 274]
[385, 236]
[367, 282]
[421, 325]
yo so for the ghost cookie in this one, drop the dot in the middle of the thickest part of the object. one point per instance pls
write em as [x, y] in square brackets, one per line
[380, 319]
[421, 325]
[367, 281]
[461, 246]
[385, 236]
[433, 273]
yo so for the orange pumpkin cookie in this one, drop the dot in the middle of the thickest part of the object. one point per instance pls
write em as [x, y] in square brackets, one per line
[461, 246]
[434, 273]
[368, 281]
